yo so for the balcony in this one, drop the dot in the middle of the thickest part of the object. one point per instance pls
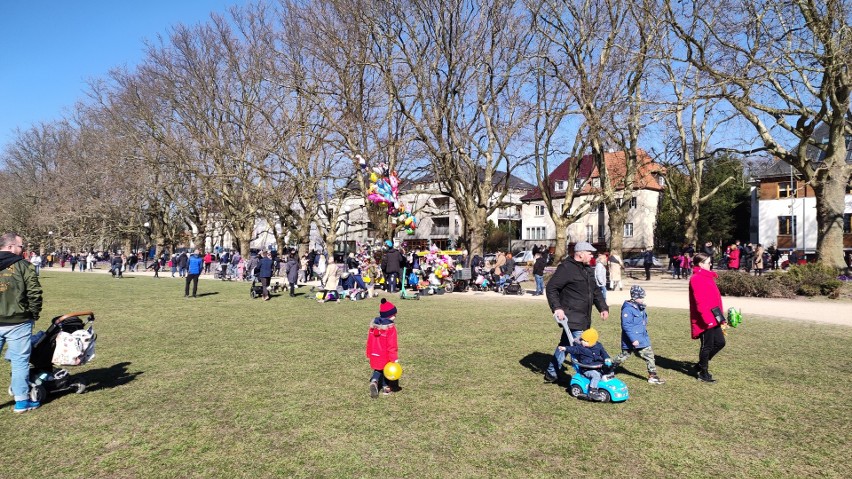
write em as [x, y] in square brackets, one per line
[440, 231]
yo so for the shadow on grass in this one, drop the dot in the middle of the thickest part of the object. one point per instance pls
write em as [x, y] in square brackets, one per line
[210, 293]
[108, 378]
[537, 363]
[684, 367]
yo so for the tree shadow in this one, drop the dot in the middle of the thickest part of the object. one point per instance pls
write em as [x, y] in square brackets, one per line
[684, 367]
[108, 378]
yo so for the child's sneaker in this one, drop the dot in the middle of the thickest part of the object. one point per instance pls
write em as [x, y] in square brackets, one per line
[387, 390]
[654, 379]
[374, 389]
[25, 405]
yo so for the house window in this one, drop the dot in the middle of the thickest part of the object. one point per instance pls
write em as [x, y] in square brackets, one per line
[601, 233]
[539, 210]
[618, 202]
[559, 185]
[847, 227]
[785, 190]
[596, 183]
[628, 230]
[535, 233]
[590, 233]
[633, 203]
[786, 225]
[661, 180]
[578, 183]
[601, 207]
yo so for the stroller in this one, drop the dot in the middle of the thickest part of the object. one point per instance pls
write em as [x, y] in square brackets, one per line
[512, 286]
[45, 379]
[256, 290]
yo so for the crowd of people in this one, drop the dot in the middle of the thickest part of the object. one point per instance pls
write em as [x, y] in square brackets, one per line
[578, 285]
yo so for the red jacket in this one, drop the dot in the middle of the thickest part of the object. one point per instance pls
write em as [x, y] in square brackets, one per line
[381, 343]
[703, 296]
[734, 258]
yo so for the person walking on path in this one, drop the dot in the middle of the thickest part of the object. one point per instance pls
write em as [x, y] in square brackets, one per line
[264, 272]
[600, 274]
[648, 262]
[571, 292]
[538, 273]
[208, 260]
[615, 265]
[705, 314]
[734, 256]
[20, 307]
[195, 265]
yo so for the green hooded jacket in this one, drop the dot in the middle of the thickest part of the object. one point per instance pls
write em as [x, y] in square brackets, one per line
[20, 291]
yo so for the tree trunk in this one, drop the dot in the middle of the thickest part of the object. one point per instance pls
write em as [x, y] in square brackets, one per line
[830, 189]
[476, 225]
[691, 223]
[615, 224]
[560, 250]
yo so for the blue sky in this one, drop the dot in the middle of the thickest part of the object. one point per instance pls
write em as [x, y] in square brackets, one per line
[50, 48]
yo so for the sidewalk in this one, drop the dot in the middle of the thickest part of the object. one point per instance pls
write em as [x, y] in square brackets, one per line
[663, 292]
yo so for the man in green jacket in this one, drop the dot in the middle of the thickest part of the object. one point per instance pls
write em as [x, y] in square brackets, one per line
[20, 306]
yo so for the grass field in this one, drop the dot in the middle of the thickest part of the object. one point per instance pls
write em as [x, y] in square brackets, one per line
[224, 386]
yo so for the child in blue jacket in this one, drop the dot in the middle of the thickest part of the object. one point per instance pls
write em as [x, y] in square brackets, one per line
[634, 333]
[591, 357]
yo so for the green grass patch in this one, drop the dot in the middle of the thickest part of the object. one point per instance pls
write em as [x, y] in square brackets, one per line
[226, 386]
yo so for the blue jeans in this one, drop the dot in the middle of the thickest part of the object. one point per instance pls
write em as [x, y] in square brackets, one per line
[17, 336]
[594, 377]
[603, 291]
[539, 283]
[37, 268]
[555, 364]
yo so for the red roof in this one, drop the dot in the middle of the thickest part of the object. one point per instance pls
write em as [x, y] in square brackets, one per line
[645, 175]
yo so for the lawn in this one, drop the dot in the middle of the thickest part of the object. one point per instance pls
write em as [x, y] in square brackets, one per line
[226, 386]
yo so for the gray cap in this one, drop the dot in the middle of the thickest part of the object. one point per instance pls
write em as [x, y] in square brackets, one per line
[584, 246]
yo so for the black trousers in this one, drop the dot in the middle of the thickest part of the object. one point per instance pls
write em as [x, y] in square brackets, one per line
[647, 272]
[265, 283]
[194, 279]
[712, 341]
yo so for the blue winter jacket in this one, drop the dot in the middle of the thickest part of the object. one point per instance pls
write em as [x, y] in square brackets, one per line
[634, 326]
[196, 264]
[591, 356]
[265, 268]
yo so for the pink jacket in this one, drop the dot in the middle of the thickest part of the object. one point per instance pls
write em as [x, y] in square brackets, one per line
[703, 296]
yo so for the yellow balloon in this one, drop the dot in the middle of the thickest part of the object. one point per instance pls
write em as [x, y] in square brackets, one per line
[374, 177]
[393, 371]
[320, 296]
[407, 221]
[367, 279]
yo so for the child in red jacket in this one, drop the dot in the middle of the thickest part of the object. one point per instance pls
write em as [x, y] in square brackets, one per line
[382, 348]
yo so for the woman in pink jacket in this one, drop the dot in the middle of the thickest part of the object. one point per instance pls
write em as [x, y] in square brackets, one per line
[705, 313]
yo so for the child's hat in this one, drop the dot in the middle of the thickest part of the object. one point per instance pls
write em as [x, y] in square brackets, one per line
[637, 292]
[590, 336]
[386, 309]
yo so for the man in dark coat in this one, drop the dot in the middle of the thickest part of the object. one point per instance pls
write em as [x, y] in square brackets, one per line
[391, 263]
[264, 272]
[571, 292]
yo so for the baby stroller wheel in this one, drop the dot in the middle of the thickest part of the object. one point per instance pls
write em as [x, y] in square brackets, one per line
[38, 393]
[521, 292]
[253, 294]
[79, 387]
[575, 390]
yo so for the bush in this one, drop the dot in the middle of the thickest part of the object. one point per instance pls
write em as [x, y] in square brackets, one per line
[807, 280]
[814, 279]
[740, 283]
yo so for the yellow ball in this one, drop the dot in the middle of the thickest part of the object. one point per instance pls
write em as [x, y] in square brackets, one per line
[393, 371]
[320, 295]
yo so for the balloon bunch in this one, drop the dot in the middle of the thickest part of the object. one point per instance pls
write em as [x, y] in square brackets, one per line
[442, 265]
[384, 190]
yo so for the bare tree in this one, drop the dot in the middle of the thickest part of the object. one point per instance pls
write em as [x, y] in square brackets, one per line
[785, 68]
[456, 75]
